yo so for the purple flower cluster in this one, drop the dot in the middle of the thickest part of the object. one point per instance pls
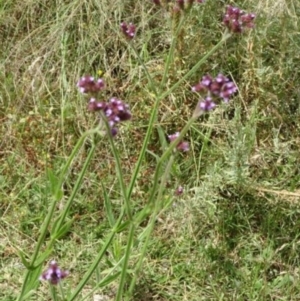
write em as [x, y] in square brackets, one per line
[115, 110]
[219, 87]
[54, 274]
[182, 146]
[88, 84]
[128, 30]
[236, 19]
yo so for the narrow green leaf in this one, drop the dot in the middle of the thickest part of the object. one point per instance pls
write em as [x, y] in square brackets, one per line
[123, 226]
[108, 208]
[28, 294]
[54, 226]
[53, 180]
[42, 257]
[109, 279]
[58, 194]
[56, 191]
[24, 261]
[59, 233]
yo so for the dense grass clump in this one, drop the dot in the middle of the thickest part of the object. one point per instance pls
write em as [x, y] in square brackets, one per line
[217, 219]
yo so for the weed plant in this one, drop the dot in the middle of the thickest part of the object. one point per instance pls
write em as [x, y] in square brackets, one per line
[170, 171]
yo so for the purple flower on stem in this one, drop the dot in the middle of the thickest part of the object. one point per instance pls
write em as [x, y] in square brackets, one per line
[54, 274]
[95, 105]
[204, 84]
[221, 86]
[182, 146]
[207, 104]
[128, 30]
[115, 111]
[236, 19]
[88, 84]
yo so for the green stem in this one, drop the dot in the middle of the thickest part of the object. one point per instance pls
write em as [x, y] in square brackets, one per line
[74, 152]
[61, 291]
[53, 292]
[204, 145]
[126, 262]
[118, 167]
[143, 149]
[171, 52]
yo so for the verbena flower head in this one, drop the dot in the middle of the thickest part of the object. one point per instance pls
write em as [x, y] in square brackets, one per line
[115, 111]
[213, 89]
[54, 274]
[182, 146]
[88, 84]
[207, 104]
[128, 30]
[236, 19]
[220, 86]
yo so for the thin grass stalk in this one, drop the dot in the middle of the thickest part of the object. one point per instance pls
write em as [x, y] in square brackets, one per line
[171, 52]
[204, 145]
[126, 262]
[118, 167]
[149, 128]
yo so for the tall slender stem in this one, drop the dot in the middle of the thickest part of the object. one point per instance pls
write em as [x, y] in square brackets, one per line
[126, 262]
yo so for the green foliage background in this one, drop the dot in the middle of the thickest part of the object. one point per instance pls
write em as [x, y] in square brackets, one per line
[233, 235]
